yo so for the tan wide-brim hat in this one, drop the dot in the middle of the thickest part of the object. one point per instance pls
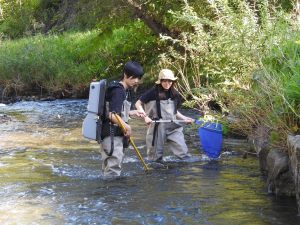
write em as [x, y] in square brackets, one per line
[166, 74]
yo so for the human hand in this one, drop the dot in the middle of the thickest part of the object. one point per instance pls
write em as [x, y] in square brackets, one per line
[148, 120]
[128, 130]
[189, 120]
[141, 113]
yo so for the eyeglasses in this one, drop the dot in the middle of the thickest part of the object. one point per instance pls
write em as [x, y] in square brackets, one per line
[166, 80]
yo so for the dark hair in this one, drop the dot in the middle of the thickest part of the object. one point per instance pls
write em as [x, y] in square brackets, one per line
[133, 69]
[172, 91]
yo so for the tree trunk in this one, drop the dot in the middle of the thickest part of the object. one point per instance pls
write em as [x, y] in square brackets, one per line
[156, 26]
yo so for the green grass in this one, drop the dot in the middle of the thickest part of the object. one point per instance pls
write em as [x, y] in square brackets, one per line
[73, 59]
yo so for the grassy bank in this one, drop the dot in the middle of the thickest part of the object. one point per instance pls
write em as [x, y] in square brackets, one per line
[71, 60]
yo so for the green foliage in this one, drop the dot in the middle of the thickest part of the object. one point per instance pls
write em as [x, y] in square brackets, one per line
[283, 62]
[219, 53]
[24, 18]
[47, 12]
[230, 57]
[104, 15]
[73, 59]
[47, 62]
[278, 90]
[18, 18]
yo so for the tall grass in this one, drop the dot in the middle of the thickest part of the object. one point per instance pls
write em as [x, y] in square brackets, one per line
[70, 60]
[49, 62]
[277, 88]
[246, 59]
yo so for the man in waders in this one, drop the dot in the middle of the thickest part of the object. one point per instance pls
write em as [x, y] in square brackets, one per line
[160, 104]
[117, 100]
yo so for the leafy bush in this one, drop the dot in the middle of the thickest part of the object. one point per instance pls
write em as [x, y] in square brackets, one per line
[232, 59]
[18, 18]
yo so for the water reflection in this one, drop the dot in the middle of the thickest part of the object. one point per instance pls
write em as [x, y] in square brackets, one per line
[50, 174]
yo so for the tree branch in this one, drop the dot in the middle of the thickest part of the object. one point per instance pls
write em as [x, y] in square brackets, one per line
[156, 26]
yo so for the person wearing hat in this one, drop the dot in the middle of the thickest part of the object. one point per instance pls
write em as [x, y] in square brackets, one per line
[118, 101]
[161, 103]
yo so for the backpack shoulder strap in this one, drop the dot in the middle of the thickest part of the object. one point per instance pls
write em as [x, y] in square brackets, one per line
[102, 93]
[157, 102]
[175, 96]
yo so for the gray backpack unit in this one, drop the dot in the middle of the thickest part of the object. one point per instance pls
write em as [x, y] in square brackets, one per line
[92, 124]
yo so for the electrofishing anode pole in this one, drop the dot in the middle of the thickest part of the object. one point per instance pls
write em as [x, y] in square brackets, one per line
[168, 121]
[132, 143]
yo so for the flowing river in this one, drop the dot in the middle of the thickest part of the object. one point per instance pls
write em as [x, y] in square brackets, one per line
[50, 174]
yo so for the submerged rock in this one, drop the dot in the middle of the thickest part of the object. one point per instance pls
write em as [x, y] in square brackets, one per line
[279, 175]
[293, 143]
[4, 118]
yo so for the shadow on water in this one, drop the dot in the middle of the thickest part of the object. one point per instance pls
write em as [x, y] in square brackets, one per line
[49, 174]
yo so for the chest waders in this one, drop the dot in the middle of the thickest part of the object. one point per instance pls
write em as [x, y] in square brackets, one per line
[112, 145]
[158, 114]
[113, 129]
[158, 111]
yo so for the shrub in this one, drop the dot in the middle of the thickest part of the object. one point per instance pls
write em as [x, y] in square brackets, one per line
[231, 59]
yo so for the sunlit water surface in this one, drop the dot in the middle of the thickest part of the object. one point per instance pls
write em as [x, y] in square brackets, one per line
[50, 174]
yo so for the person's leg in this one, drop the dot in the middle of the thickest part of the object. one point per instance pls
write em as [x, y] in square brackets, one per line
[149, 139]
[160, 143]
[176, 143]
[155, 152]
[112, 165]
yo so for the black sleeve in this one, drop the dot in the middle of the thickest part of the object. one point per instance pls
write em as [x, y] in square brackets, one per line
[117, 97]
[179, 100]
[148, 95]
[179, 103]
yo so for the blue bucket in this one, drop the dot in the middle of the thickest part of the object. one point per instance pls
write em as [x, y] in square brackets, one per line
[211, 138]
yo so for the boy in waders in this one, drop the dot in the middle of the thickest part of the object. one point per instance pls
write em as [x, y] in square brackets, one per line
[161, 103]
[117, 100]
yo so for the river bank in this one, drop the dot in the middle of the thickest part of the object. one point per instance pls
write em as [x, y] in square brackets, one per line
[44, 96]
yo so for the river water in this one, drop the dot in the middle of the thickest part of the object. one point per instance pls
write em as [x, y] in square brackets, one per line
[50, 174]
